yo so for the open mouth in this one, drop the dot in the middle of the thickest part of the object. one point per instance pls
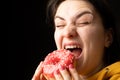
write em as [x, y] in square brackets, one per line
[76, 50]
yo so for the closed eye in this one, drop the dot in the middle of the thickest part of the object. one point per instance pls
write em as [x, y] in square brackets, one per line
[81, 24]
[84, 20]
[58, 26]
[85, 23]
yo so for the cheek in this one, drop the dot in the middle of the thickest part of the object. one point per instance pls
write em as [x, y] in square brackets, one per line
[93, 35]
[98, 36]
[57, 39]
[93, 40]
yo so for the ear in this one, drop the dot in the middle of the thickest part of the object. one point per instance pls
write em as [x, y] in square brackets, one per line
[108, 37]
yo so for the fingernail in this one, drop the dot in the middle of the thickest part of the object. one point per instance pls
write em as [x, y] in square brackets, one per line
[57, 72]
[71, 66]
[62, 67]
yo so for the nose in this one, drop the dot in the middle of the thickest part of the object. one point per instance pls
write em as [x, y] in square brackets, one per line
[70, 31]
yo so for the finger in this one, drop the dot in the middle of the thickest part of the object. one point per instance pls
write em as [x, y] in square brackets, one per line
[65, 74]
[57, 75]
[42, 77]
[47, 78]
[74, 72]
[38, 72]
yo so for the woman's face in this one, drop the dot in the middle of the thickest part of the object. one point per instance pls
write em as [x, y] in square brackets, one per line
[78, 28]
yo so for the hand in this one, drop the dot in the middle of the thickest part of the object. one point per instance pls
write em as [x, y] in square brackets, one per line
[38, 73]
[64, 74]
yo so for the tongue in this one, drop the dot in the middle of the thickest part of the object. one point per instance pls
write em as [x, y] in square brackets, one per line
[76, 52]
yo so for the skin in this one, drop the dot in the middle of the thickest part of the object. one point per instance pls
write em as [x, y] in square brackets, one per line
[77, 23]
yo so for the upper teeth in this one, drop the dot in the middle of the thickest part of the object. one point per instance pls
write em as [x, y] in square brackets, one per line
[71, 47]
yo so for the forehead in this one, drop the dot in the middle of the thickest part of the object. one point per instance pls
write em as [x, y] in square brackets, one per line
[72, 7]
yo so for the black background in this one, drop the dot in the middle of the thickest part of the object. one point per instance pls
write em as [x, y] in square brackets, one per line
[30, 38]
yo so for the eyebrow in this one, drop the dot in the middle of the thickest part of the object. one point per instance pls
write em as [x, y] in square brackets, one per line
[59, 17]
[77, 15]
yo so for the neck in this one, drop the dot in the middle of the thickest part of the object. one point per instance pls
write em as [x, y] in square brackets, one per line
[99, 67]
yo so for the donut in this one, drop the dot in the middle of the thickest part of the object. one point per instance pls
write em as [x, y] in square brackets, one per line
[54, 60]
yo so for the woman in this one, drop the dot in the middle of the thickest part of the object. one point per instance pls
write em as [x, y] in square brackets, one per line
[88, 28]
